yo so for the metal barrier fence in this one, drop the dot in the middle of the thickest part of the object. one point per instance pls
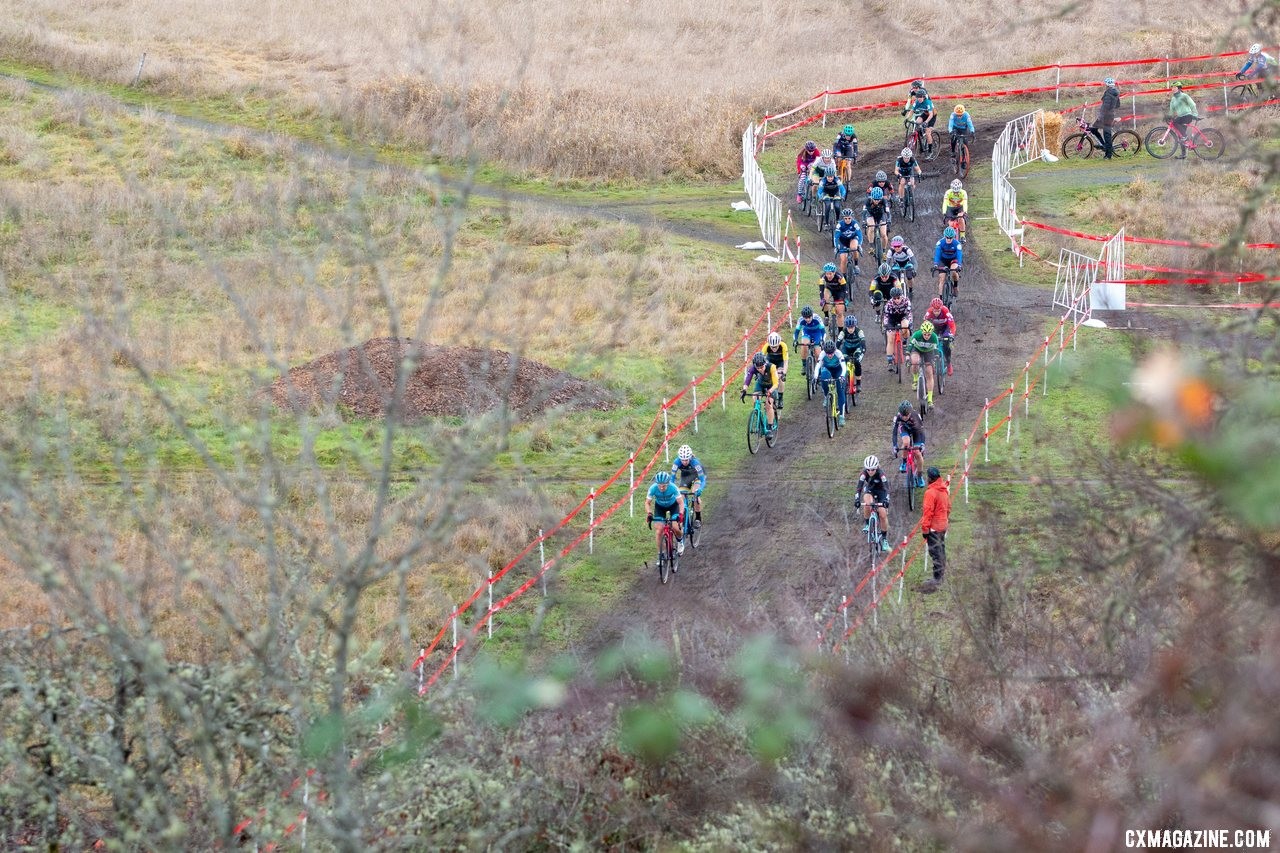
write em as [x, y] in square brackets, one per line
[767, 206]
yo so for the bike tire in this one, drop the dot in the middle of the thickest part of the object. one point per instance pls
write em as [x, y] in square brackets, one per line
[851, 394]
[755, 431]
[948, 295]
[808, 374]
[1125, 143]
[911, 486]
[829, 403]
[1217, 144]
[664, 561]
[1241, 94]
[1077, 145]
[910, 206]
[873, 537]
[922, 395]
[878, 247]
[1161, 143]
[939, 373]
[962, 161]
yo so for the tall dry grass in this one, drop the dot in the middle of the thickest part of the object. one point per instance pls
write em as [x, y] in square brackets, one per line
[615, 88]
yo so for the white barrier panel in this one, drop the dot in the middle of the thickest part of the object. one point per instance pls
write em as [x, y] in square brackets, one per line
[1109, 290]
[768, 207]
[1019, 143]
[1076, 275]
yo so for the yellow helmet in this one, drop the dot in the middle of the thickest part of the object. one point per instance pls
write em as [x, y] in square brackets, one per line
[959, 110]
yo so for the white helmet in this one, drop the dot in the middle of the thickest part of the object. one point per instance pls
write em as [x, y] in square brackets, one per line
[826, 153]
[775, 339]
[906, 153]
[956, 185]
[685, 453]
[1254, 49]
[871, 463]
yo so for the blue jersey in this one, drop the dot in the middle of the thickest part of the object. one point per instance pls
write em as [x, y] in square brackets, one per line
[831, 189]
[948, 251]
[811, 329]
[847, 234]
[684, 474]
[958, 124]
[830, 365]
[922, 106]
[664, 497]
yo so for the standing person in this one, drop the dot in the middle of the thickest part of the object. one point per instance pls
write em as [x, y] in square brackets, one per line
[1182, 109]
[1107, 116]
[934, 517]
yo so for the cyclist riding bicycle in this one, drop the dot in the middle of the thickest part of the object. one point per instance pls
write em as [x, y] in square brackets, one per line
[831, 192]
[876, 213]
[907, 168]
[805, 161]
[853, 345]
[881, 181]
[775, 350]
[955, 207]
[882, 285]
[902, 261]
[686, 471]
[908, 434]
[830, 369]
[662, 503]
[809, 332]
[897, 315]
[920, 105]
[765, 377]
[845, 146]
[920, 347]
[944, 323]
[1182, 109]
[846, 239]
[1259, 64]
[833, 285]
[825, 165]
[873, 494]
[948, 254]
[960, 125]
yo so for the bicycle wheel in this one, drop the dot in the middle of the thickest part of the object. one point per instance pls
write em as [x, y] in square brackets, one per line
[829, 405]
[808, 374]
[910, 205]
[1212, 146]
[909, 136]
[939, 372]
[873, 536]
[771, 436]
[755, 429]
[664, 559]
[948, 295]
[1161, 143]
[922, 396]
[1241, 94]
[878, 247]
[962, 160]
[897, 357]
[1077, 145]
[1125, 143]
[910, 476]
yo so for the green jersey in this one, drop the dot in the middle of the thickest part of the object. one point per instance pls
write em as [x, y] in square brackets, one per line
[923, 345]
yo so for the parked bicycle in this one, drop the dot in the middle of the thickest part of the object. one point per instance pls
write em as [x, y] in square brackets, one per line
[1124, 143]
[1164, 141]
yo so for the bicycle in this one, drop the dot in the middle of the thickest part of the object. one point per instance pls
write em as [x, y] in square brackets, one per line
[691, 533]
[907, 204]
[1124, 143]
[916, 139]
[851, 393]
[1207, 142]
[812, 385]
[922, 390]
[830, 213]
[897, 333]
[810, 196]
[877, 245]
[940, 369]
[668, 554]
[758, 427]
[914, 467]
[1245, 92]
[960, 156]
[844, 165]
[950, 282]
[875, 536]
[903, 279]
[831, 405]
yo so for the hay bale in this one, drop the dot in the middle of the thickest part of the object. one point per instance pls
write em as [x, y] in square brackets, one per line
[1053, 124]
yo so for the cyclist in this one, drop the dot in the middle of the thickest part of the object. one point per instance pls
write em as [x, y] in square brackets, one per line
[846, 148]
[921, 346]
[664, 501]
[686, 471]
[903, 262]
[960, 126]
[882, 285]
[873, 493]
[897, 315]
[765, 376]
[846, 238]
[882, 181]
[955, 207]
[1182, 109]
[876, 213]
[809, 330]
[804, 162]
[907, 168]
[823, 166]
[1259, 61]
[853, 345]
[830, 369]
[831, 192]
[920, 105]
[775, 350]
[832, 284]
[944, 323]
[948, 254]
[908, 437]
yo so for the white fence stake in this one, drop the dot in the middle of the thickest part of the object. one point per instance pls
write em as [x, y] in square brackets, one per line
[1008, 426]
[631, 460]
[1026, 391]
[489, 621]
[542, 562]
[768, 314]
[875, 585]
[1046, 368]
[306, 798]
[1061, 344]
[1133, 100]
[986, 428]
[666, 433]
[455, 640]
[904, 569]
[966, 472]
[844, 611]
[723, 384]
[788, 302]
[1057, 84]
[826, 98]
[745, 356]
[422, 663]
[591, 525]
[1226, 101]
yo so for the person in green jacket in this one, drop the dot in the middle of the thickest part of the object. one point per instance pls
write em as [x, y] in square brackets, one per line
[1183, 111]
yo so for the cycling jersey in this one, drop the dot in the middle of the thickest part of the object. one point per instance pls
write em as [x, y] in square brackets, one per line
[896, 310]
[852, 343]
[918, 342]
[835, 285]
[1262, 61]
[947, 251]
[847, 235]
[805, 159]
[777, 357]
[955, 198]
[905, 168]
[685, 475]
[766, 378]
[960, 124]
[820, 170]
[876, 483]
[664, 497]
[813, 329]
[879, 211]
[944, 322]
[831, 187]
[845, 146]
[920, 105]
[903, 258]
[833, 364]
[882, 286]
[910, 425]
[885, 186]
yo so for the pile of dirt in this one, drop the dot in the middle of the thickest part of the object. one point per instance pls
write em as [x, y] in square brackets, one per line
[445, 381]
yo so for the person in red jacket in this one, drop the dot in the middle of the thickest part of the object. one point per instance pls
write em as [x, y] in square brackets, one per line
[933, 523]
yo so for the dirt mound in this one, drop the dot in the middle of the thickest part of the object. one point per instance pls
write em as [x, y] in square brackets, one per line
[445, 381]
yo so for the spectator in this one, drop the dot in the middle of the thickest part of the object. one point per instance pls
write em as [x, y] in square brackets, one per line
[1107, 115]
[933, 523]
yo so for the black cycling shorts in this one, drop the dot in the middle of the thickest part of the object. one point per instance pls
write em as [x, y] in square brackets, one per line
[839, 292]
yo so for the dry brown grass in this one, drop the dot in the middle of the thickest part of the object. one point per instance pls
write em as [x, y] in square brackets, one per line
[616, 88]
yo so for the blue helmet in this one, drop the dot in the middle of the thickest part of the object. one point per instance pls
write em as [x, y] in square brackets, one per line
[806, 312]
[850, 321]
[829, 268]
[949, 233]
[662, 478]
[877, 194]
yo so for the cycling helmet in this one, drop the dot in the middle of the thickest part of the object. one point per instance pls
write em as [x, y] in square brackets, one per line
[829, 268]
[806, 312]
[917, 84]
[846, 213]
[1108, 81]
[662, 478]
[1176, 84]
[775, 340]
[850, 321]
[926, 328]
[904, 407]
[897, 242]
[959, 110]
[685, 453]
[957, 185]
[884, 270]
[877, 194]
[826, 153]
[1254, 49]
[871, 463]
[758, 360]
[895, 292]
[906, 153]
[847, 130]
[881, 177]
[811, 146]
[935, 304]
[949, 233]
[829, 347]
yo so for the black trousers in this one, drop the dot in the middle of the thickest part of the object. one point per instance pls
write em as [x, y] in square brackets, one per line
[1104, 138]
[937, 542]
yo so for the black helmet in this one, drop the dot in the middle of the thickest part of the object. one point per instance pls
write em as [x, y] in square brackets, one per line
[758, 360]
[895, 292]
[904, 407]
[806, 312]
[829, 347]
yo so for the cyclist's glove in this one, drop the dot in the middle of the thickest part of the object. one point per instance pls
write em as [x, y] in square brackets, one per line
[904, 112]
[743, 397]
[649, 520]
[1239, 75]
